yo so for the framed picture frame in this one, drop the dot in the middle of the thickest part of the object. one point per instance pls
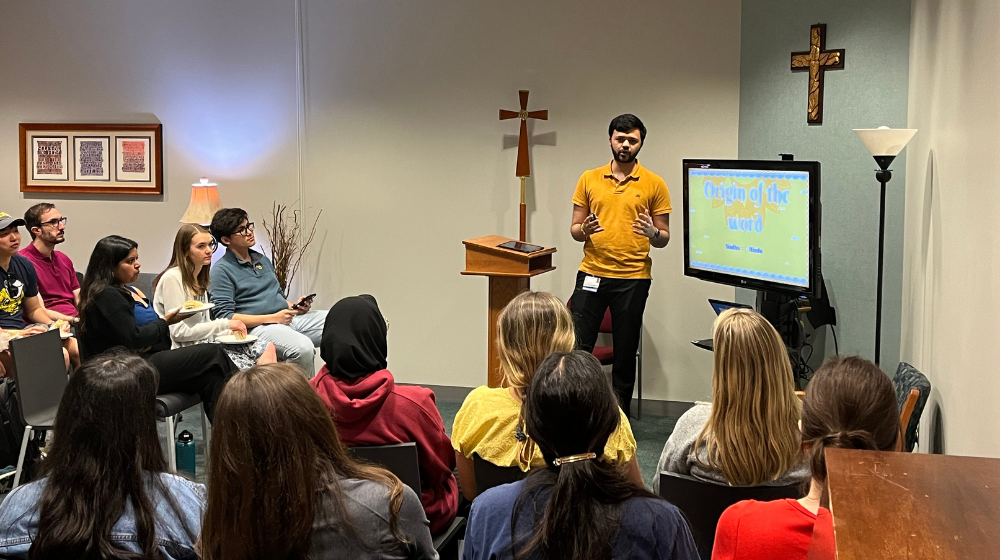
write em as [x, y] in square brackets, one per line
[91, 158]
[50, 158]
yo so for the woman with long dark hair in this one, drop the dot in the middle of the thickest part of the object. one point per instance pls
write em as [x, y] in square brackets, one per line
[849, 404]
[574, 507]
[282, 487]
[103, 492]
[113, 314]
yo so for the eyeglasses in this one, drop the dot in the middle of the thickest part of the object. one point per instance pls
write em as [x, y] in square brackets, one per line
[56, 223]
[214, 245]
[245, 230]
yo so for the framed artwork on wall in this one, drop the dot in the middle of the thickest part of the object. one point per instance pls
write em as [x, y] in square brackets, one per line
[91, 158]
[49, 157]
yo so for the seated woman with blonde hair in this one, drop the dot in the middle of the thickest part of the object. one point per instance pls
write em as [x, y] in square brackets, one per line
[849, 404]
[748, 434]
[184, 283]
[490, 424]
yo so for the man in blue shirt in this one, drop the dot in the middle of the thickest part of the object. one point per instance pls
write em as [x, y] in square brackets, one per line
[244, 287]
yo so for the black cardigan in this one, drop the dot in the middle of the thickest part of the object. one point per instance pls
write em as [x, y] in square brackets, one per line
[110, 322]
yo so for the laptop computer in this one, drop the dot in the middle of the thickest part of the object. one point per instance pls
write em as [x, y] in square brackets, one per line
[718, 306]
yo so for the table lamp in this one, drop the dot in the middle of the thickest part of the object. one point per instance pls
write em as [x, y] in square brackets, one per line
[204, 203]
[884, 143]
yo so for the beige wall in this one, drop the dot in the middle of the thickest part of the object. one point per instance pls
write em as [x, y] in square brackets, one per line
[219, 75]
[405, 155]
[401, 144]
[952, 251]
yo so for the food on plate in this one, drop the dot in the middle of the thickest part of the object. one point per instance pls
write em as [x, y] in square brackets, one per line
[191, 304]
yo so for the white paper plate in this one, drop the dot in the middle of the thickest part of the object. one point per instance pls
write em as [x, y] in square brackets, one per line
[231, 339]
[204, 307]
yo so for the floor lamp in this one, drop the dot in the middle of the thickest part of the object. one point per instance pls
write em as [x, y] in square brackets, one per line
[884, 143]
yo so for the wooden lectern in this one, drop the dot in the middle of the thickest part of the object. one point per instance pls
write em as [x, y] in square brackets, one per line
[509, 272]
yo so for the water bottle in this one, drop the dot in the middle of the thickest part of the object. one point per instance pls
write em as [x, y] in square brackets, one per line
[185, 453]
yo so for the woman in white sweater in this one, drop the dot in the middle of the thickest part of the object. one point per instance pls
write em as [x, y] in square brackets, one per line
[186, 279]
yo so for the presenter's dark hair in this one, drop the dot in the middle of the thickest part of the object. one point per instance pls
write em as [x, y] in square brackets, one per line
[33, 216]
[849, 404]
[627, 123]
[108, 253]
[226, 221]
[570, 408]
[105, 446]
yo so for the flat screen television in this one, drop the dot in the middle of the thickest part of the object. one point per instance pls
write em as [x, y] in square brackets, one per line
[753, 224]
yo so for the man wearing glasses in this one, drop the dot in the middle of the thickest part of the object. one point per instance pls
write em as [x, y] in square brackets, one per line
[244, 287]
[57, 282]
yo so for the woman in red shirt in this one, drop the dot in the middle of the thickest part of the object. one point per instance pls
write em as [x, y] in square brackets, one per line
[368, 407]
[849, 404]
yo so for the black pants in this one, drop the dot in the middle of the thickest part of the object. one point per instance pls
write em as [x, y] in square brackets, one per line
[627, 301]
[202, 369]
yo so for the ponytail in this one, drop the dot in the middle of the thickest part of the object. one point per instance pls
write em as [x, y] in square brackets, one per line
[850, 439]
[581, 513]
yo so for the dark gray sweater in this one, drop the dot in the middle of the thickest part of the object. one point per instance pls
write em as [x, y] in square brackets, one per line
[367, 505]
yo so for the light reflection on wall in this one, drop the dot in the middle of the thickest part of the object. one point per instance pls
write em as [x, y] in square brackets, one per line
[230, 126]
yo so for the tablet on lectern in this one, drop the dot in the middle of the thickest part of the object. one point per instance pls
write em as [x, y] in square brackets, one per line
[521, 246]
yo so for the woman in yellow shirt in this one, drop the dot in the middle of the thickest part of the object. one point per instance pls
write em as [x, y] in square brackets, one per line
[532, 326]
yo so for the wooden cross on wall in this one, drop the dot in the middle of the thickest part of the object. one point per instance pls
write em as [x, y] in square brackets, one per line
[817, 60]
[523, 168]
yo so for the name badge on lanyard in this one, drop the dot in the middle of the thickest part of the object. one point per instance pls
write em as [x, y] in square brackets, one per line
[591, 283]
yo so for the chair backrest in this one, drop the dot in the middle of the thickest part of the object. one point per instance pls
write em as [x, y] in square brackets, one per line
[907, 378]
[489, 475]
[40, 375]
[399, 458]
[145, 284]
[702, 503]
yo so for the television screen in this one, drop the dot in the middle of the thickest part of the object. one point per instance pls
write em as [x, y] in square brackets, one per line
[753, 223]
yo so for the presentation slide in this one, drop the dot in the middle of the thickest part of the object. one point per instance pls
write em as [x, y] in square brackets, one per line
[750, 223]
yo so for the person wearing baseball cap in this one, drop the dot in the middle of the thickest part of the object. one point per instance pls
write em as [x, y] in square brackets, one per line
[19, 302]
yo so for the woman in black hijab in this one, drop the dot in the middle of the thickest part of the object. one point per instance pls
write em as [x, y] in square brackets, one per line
[370, 409]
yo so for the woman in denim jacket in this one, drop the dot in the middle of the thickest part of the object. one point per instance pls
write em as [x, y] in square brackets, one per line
[103, 491]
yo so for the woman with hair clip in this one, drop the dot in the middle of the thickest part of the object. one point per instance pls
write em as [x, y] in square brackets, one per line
[489, 423]
[103, 491]
[282, 486]
[576, 506]
[113, 313]
[186, 279]
[849, 404]
[748, 434]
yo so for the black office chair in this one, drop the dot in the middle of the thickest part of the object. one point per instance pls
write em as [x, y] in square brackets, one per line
[702, 503]
[907, 379]
[40, 377]
[489, 475]
[401, 459]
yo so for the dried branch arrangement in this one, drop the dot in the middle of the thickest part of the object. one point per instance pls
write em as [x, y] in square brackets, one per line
[283, 229]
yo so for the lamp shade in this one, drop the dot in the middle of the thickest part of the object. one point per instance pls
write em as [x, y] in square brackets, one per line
[885, 141]
[204, 203]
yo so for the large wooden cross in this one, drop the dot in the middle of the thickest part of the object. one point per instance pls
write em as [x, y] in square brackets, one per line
[523, 168]
[817, 60]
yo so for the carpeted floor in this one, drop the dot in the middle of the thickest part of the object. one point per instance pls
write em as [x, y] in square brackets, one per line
[650, 434]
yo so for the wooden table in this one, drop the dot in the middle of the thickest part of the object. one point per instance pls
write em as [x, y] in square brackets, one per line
[889, 505]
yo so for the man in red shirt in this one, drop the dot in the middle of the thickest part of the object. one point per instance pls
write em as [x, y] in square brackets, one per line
[57, 283]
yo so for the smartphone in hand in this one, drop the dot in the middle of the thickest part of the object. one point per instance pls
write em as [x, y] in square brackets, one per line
[303, 300]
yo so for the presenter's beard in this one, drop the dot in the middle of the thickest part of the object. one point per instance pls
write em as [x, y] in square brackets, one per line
[625, 156]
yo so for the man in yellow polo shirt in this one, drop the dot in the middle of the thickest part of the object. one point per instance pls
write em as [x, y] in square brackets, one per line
[619, 211]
